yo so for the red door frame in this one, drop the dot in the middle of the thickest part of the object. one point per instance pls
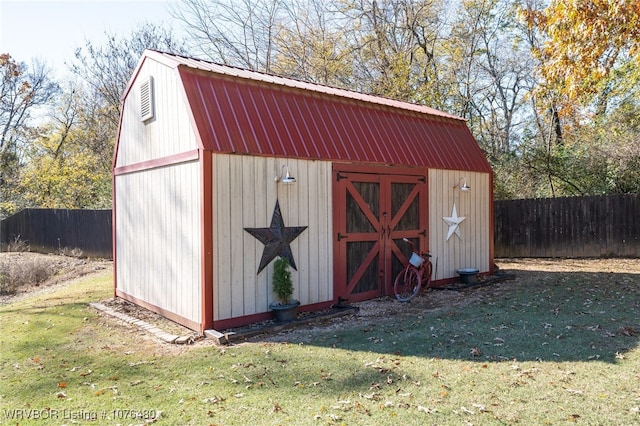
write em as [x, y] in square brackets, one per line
[384, 226]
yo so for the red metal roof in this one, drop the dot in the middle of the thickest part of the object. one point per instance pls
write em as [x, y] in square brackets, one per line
[244, 112]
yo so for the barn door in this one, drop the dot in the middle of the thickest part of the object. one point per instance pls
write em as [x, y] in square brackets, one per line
[372, 213]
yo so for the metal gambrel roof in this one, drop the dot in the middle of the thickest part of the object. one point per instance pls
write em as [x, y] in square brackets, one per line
[245, 112]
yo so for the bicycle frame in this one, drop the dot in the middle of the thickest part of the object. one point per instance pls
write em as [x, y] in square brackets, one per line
[413, 276]
[424, 256]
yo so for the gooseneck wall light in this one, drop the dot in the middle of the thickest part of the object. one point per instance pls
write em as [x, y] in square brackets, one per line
[285, 177]
[462, 185]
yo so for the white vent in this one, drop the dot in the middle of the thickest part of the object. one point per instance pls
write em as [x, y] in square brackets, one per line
[146, 99]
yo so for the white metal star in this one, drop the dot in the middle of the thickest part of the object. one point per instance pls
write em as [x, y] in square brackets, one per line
[454, 222]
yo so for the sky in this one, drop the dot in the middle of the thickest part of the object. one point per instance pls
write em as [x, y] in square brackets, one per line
[51, 30]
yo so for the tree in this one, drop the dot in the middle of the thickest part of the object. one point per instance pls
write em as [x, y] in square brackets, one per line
[311, 46]
[107, 68]
[490, 68]
[591, 49]
[589, 70]
[68, 162]
[239, 33]
[395, 48]
[22, 92]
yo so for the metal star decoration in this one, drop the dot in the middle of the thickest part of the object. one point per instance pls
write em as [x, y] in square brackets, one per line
[454, 223]
[276, 239]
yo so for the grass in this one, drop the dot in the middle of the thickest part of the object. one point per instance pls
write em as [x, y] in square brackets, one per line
[548, 348]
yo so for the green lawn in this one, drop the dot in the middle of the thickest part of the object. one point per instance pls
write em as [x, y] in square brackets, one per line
[547, 348]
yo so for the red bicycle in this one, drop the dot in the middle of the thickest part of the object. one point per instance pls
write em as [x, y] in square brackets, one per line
[415, 275]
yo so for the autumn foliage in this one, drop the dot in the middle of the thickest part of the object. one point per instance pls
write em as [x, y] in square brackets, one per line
[587, 44]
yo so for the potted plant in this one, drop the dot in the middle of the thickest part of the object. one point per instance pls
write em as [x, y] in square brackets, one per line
[285, 308]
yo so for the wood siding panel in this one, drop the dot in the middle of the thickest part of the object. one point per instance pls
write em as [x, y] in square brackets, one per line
[169, 132]
[245, 195]
[158, 238]
[473, 250]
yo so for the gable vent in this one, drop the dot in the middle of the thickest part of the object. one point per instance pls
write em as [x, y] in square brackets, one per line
[146, 99]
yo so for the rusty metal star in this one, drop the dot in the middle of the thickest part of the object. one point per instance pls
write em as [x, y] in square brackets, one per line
[276, 239]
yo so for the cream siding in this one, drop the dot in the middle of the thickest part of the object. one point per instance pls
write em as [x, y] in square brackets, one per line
[158, 222]
[244, 196]
[472, 251]
[169, 132]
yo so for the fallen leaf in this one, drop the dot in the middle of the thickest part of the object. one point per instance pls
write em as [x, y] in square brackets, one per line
[373, 396]
[62, 385]
[466, 410]
[627, 331]
[475, 351]
[481, 408]
[213, 400]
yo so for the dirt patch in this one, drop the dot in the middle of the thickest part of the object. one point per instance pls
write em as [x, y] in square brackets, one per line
[138, 312]
[387, 308]
[631, 266]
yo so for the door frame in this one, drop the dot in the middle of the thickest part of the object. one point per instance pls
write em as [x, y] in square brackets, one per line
[341, 170]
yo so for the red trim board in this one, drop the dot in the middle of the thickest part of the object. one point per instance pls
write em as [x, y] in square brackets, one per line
[169, 160]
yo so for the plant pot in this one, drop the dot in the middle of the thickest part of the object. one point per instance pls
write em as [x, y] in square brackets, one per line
[468, 275]
[285, 313]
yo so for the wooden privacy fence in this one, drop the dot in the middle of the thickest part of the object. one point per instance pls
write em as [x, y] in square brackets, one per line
[595, 226]
[61, 231]
[598, 226]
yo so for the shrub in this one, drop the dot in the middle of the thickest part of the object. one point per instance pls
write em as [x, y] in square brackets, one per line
[282, 284]
[19, 271]
[18, 245]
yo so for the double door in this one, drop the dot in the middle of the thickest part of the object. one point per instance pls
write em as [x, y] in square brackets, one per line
[375, 208]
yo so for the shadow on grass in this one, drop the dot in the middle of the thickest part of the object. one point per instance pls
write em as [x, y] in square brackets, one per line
[544, 316]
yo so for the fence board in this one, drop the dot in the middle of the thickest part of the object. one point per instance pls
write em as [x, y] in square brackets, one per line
[61, 230]
[595, 226]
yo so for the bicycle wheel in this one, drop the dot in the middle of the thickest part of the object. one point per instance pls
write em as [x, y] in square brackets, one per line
[426, 274]
[407, 284]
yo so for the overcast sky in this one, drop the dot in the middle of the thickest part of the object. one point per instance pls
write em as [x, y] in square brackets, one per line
[51, 30]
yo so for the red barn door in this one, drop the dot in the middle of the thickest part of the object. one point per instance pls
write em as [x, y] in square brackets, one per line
[374, 208]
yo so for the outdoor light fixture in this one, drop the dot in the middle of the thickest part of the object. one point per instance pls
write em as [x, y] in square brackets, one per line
[462, 185]
[286, 177]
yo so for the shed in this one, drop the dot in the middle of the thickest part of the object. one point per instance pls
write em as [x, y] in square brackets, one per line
[201, 205]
